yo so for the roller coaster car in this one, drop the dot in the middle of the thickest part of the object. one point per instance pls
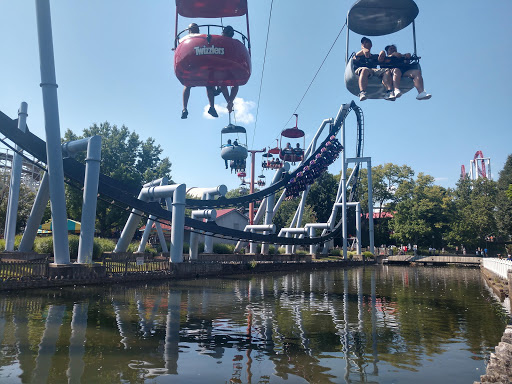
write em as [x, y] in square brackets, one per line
[233, 150]
[211, 59]
[379, 18]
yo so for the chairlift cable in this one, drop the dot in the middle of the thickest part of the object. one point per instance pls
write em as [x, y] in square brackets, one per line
[316, 74]
[262, 72]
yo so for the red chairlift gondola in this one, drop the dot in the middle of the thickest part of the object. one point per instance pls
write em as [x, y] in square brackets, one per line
[295, 153]
[212, 59]
[261, 180]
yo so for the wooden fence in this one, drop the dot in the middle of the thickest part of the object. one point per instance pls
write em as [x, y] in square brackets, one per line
[18, 270]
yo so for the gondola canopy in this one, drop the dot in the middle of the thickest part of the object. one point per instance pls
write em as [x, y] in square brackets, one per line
[381, 17]
[211, 9]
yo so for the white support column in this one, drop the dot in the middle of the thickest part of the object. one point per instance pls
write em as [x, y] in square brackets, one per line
[14, 185]
[178, 223]
[370, 206]
[90, 199]
[52, 128]
[36, 215]
[194, 237]
[358, 227]
[344, 192]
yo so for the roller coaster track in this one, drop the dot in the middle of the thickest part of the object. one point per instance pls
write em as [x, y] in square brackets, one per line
[126, 195]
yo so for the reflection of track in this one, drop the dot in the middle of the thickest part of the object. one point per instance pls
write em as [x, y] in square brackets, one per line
[127, 195]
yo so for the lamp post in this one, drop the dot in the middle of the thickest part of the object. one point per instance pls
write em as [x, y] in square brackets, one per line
[253, 153]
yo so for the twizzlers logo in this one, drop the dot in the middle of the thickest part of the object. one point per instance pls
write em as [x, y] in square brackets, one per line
[204, 50]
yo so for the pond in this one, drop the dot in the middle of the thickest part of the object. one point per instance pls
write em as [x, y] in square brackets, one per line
[379, 324]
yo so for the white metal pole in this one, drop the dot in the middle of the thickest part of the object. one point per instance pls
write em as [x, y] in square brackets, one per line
[14, 187]
[178, 223]
[344, 192]
[90, 198]
[52, 128]
[36, 215]
[370, 206]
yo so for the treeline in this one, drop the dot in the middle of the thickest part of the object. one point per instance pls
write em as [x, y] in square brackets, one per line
[412, 209]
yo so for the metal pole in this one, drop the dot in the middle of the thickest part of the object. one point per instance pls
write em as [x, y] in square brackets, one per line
[251, 190]
[14, 187]
[36, 215]
[344, 193]
[52, 128]
[370, 206]
[414, 35]
[178, 223]
[358, 227]
[90, 198]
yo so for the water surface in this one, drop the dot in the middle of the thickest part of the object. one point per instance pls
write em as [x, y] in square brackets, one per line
[365, 325]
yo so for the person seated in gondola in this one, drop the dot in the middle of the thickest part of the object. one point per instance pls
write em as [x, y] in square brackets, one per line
[228, 144]
[228, 31]
[193, 29]
[366, 66]
[399, 67]
[288, 149]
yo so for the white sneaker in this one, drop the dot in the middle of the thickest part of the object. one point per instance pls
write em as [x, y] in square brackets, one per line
[389, 96]
[398, 93]
[362, 96]
[423, 96]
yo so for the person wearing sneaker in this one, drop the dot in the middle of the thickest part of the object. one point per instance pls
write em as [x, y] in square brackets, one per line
[389, 55]
[193, 29]
[365, 65]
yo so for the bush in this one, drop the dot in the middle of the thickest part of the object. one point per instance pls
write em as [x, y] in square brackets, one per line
[223, 249]
[102, 245]
[134, 247]
[2, 244]
[186, 248]
[368, 255]
[43, 244]
[73, 240]
[336, 252]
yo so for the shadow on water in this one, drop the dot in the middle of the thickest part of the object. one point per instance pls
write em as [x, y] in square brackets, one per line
[379, 324]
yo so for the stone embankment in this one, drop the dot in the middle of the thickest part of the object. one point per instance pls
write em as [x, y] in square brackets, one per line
[499, 368]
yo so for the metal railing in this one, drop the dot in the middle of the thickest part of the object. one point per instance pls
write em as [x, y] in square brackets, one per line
[125, 265]
[18, 270]
[499, 266]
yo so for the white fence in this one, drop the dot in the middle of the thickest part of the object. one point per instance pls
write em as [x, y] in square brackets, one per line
[498, 266]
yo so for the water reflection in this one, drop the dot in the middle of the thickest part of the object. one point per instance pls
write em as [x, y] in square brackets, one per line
[382, 324]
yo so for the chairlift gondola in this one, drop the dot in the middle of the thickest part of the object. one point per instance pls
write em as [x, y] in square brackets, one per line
[206, 59]
[295, 153]
[379, 18]
[261, 180]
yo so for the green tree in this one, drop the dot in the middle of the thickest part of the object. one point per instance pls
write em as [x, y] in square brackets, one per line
[321, 196]
[422, 213]
[125, 158]
[473, 217]
[504, 202]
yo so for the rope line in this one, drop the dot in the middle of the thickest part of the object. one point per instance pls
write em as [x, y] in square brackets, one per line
[262, 73]
[316, 74]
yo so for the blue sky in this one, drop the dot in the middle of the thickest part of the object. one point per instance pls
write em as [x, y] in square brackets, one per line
[114, 63]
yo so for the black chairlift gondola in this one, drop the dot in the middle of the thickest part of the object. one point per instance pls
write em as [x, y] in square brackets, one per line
[233, 140]
[261, 180]
[243, 189]
[292, 153]
[212, 59]
[379, 18]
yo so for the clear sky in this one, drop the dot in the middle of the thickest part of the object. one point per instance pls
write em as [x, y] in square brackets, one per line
[114, 63]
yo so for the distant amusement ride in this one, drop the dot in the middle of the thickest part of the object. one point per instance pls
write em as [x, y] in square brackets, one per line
[217, 61]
